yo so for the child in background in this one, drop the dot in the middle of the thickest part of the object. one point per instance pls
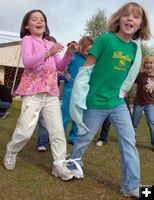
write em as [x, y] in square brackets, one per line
[40, 92]
[5, 100]
[99, 89]
[144, 98]
[80, 57]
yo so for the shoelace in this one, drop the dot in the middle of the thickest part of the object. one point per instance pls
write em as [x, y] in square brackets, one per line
[72, 162]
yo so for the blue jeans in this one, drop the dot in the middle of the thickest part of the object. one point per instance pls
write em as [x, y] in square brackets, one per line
[43, 136]
[73, 134]
[4, 106]
[106, 125]
[121, 120]
[149, 114]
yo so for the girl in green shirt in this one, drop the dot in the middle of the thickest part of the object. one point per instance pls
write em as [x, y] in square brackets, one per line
[116, 58]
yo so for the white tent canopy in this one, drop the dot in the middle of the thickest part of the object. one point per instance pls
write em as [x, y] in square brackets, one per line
[10, 52]
[10, 55]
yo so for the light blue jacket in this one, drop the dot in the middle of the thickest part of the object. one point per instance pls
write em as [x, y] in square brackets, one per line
[81, 89]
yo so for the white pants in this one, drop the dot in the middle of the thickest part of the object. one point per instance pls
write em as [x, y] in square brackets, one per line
[51, 111]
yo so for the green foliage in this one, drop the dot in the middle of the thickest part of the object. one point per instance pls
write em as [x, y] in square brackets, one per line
[146, 50]
[96, 25]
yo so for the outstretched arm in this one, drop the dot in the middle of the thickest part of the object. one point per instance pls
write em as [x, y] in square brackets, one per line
[91, 60]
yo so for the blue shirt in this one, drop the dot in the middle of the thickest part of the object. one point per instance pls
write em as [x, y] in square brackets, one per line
[73, 68]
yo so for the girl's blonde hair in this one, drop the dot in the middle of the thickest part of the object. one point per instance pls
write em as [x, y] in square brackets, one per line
[143, 33]
[83, 43]
[148, 58]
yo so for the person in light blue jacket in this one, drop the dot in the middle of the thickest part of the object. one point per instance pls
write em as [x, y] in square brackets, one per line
[99, 88]
[79, 59]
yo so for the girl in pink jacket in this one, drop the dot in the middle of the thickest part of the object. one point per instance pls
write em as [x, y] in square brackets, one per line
[40, 92]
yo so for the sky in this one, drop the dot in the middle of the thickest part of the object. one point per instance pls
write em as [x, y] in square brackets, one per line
[66, 18]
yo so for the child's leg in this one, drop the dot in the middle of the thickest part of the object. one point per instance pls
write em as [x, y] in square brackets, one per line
[51, 112]
[31, 106]
[43, 136]
[73, 134]
[26, 123]
[137, 114]
[53, 120]
[4, 106]
[105, 131]
[121, 120]
[149, 113]
[65, 107]
[92, 119]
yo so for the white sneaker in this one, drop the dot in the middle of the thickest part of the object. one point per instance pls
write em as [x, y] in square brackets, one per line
[41, 148]
[133, 193]
[60, 170]
[75, 168]
[99, 143]
[77, 174]
[9, 160]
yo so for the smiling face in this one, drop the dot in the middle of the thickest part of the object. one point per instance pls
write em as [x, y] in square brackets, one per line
[148, 65]
[36, 24]
[130, 22]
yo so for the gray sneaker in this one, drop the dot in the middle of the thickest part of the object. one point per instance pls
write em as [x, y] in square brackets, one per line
[9, 160]
[5, 115]
[60, 170]
[133, 193]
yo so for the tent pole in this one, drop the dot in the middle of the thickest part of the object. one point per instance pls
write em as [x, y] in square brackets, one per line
[16, 73]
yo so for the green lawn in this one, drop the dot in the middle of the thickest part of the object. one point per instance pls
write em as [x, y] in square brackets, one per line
[32, 179]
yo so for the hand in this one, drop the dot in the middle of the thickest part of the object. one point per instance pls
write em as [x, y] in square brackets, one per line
[60, 73]
[91, 60]
[72, 48]
[57, 47]
[68, 77]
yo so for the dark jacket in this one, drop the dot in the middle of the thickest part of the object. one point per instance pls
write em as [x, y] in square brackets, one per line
[5, 94]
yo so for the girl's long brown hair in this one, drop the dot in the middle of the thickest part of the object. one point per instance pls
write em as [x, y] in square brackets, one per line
[24, 31]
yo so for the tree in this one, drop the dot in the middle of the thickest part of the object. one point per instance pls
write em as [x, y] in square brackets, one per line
[146, 50]
[96, 25]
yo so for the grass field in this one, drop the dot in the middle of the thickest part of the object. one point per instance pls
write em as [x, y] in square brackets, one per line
[32, 179]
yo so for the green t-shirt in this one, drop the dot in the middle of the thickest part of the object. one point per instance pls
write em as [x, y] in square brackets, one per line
[114, 58]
